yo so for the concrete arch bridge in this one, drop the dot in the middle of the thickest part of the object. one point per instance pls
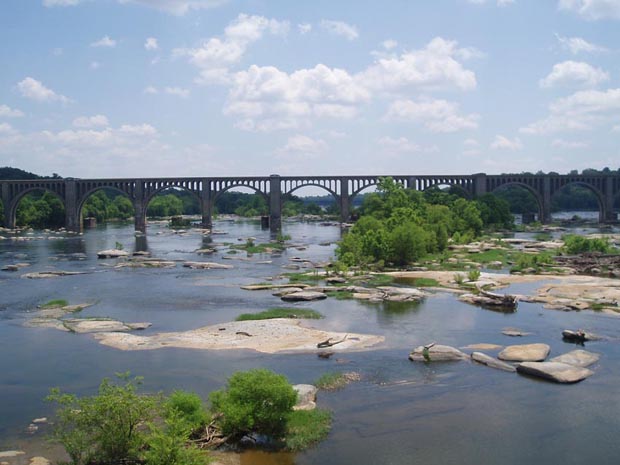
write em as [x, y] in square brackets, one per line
[74, 192]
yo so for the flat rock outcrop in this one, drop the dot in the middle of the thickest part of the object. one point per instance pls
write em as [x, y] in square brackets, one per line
[555, 371]
[303, 296]
[306, 397]
[207, 266]
[578, 358]
[525, 353]
[112, 253]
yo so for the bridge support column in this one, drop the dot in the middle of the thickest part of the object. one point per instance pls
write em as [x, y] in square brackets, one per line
[544, 215]
[345, 201]
[275, 203]
[72, 219]
[139, 205]
[6, 204]
[480, 184]
[205, 204]
[608, 215]
[411, 183]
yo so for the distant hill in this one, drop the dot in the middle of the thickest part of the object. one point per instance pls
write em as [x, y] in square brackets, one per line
[15, 173]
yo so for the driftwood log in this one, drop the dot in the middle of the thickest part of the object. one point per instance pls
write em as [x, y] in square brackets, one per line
[329, 342]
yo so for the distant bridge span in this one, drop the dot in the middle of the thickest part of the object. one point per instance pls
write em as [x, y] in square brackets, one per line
[74, 192]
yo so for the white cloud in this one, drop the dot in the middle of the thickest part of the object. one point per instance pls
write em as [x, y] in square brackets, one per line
[94, 65]
[35, 90]
[8, 112]
[471, 143]
[339, 28]
[221, 53]
[304, 28]
[398, 145]
[592, 9]
[574, 72]
[433, 67]
[138, 130]
[6, 128]
[265, 98]
[568, 145]
[303, 146]
[151, 43]
[150, 90]
[51, 3]
[435, 115]
[577, 45]
[104, 42]
[389, 44]
[178, 91]
[582, 110]
[503, 143]
[90, 121]
[177, 7]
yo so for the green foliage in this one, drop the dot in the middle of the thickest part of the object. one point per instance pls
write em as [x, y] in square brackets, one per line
[459, 278]
[55, 303]
[177, 222]
[118, 245]
[331, 381]
[473, 275]
[543, 236]
[107, 204]
[241, 204]
[495, 212]
[165, 205]
[536, 262]
[255, 401]
[40, 210]
[293, 206]
[281, 238]
[305, 428]
[575, 244]
[168, 445]
[188, 407]
[104, 427]
[281, 313]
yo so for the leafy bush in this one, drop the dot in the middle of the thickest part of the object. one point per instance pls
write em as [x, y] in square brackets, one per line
[575, 244]
[188, 406]
[306, 427]
[103, 427]
[473, 275]
[281, 313]
[533, 261]
[168, 445]
[256, 401]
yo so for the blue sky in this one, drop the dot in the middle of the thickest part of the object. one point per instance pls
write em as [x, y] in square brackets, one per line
[102, 88]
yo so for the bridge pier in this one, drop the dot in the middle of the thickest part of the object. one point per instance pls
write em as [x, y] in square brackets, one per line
[544, 215]
[139, 207]
[480, 184]
[608, 214]
[345, 200]
[275, 203]
[72, 219]
[206, 206]
[6, 204]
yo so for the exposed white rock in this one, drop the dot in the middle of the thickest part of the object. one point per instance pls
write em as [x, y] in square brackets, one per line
[112, 253]
[555, 371]
[578, 358]
[436, 353]
[525, 353]
[306, 396]
[492, 362]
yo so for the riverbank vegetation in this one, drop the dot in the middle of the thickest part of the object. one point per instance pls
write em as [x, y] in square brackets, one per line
[121, 425]
[286, 312]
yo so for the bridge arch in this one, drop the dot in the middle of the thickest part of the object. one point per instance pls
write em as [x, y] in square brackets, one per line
[598, 194]
[537, 195]
[92, 191]
[11, 221]
[256, 190]
[152, 194]
[456, 186]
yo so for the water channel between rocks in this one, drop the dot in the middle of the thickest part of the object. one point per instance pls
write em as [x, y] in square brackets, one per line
[400, 413]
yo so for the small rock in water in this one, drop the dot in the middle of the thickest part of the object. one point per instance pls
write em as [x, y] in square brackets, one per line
[39, 461]
[525, 353]
[112, 253]
[578, 336]
[492, 362]
[483, 346]
[40, 420]
[303, 296]
[513, 332]
[554, 371]
[306, 396]
[436, 353]
[11, 453]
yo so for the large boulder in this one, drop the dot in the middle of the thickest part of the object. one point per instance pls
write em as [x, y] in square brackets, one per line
[306, 397]
[112, 253]
[525, 353]
[578, 358]
[554, 371]
[492, 362]
[206, 266]
[303, 296]
[436, 353]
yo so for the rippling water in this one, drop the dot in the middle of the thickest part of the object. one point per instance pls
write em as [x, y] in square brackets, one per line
[400, 413]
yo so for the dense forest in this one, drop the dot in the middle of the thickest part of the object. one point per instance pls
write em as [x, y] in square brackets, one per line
[40, 209]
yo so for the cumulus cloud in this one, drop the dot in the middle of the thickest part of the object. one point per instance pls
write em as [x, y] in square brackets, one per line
[577, 45]
[215, 55]
[435, 115]
[435, 66]
[302, 146]
[32, 89]
[265, 98]
[583, 110]
[389, 44]
[104, 42]
[339, 28]
[8, 112]
[574, 72]
[398, 145]
[568, 145]
[6, 128]
[151, 43]
[150, 90]
[592, 9]
[304, 28]
[177, 7]
[178, 91]
[90, 121]
[504, 143]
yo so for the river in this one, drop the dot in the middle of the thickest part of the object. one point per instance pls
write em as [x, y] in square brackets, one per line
[399, 413]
